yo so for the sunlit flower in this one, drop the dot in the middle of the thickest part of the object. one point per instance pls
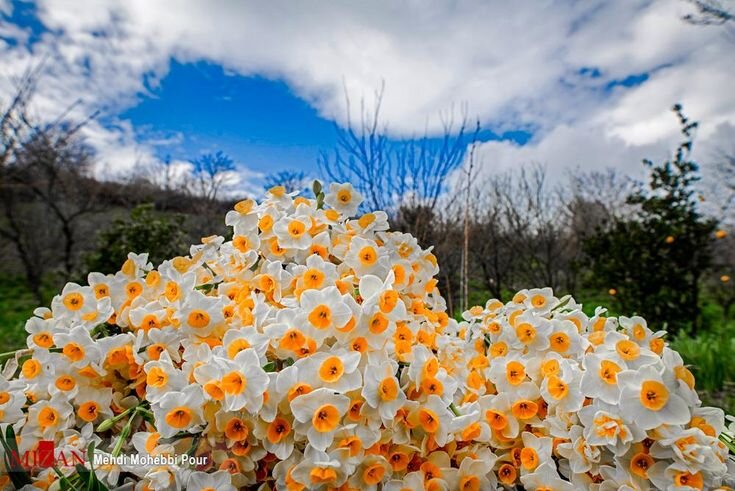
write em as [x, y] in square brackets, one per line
[343, 198]
[647, 400]
[179, 411]
[320, 413]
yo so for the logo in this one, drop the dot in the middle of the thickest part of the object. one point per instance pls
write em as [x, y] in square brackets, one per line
[45, 456]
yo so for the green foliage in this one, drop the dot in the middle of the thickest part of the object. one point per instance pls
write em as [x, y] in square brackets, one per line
[82, 480]
[655, 258]
[160, 235]
[709, 356]
[706, 353]
[17, 302]
[11, 459]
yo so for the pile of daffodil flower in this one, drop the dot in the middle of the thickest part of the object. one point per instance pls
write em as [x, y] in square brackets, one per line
[314, 351]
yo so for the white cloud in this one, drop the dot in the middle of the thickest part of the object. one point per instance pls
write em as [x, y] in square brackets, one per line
[513, 64]
[584, 148]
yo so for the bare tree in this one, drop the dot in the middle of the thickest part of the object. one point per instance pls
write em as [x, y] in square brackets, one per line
[211, 174]
[492, 248]
[396, 175]
[54, 167]
[44, 184]
[711, 12]
[599, 195]
[536, 229]
[445, 234]
[469, 175]
[724, 187]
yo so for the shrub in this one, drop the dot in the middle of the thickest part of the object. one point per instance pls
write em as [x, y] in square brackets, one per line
[654, 259]
[158, 234]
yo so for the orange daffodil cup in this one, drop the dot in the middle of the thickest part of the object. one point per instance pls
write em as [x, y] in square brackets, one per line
[314, 351]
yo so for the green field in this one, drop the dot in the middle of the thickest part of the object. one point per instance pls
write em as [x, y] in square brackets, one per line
[16, 305]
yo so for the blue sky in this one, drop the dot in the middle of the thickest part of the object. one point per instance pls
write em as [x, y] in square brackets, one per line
[259, 122]
[588, 85]
[201, 107]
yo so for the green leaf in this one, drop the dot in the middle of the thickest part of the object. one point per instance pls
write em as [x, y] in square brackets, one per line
[18, 475]
[90, 458]
[92, 482]
[66, 484]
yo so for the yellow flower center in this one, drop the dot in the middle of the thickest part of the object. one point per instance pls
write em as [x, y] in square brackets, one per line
[331, 370]
[88, 411]
[529, 458]
[236, 430]
[560, 342]
[654, 395]
[428, 420]
[156, 378]
[296, 229]
[198, 319]
[367, 256]
[43, 339]
[388, 389]
[557, 388]
[515, 372]
[628, 350]
[609, 372]
[47, 416]
[326, 418]
[73, 301]
[278, 429]
[73, 351]
[526, 333]
[179, 417]
[344, 196]
[234, 383]
[321, 317]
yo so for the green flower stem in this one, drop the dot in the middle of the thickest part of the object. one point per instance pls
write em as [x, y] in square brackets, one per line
[144, 411]
[454, 409]
[124, 434]
[97, 329]
[11, 354]
[194, 445]
[728, 441]
[109, 423]
[178, 436]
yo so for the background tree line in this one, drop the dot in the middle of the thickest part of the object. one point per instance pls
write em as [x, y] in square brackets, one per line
[646, 246]
[57, 220]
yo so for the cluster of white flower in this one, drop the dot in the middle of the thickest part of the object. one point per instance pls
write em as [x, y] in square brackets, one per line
[598, 402]
[314, 351]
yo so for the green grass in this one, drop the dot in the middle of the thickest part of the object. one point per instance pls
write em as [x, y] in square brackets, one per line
[710, 357]
[710, 354]
[16, 306]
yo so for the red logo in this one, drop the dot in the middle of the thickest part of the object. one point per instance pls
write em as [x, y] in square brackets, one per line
[44, 456]
[45, 453]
